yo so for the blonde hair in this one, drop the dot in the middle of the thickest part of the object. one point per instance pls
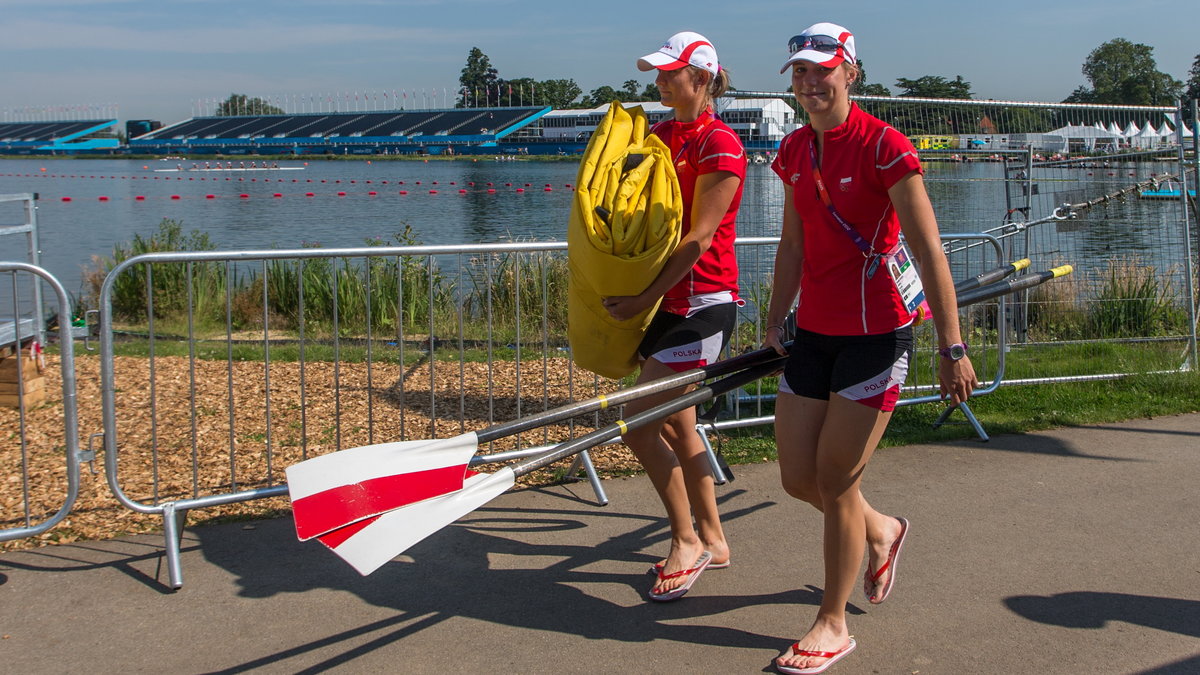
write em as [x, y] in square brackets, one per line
[717, 84]
[853, 68]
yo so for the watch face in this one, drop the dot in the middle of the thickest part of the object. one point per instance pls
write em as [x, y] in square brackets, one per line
[957, 352]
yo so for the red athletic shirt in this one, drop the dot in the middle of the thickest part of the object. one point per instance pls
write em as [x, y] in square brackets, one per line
[704, 146]
[863, 158]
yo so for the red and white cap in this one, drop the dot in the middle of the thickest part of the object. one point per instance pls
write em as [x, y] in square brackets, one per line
[682, 49]
[825, 44]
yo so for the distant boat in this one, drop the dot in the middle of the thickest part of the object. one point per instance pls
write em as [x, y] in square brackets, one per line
[227, 170]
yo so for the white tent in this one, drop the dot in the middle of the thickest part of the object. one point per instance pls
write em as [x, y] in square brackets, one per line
[1131, 130]
[1082, 138]
[1166, 130]
[1185, 128]
[1113, 128]
[1146, 138]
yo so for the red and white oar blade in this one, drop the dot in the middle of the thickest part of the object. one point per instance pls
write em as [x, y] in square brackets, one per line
[335, 490]
[368, 544]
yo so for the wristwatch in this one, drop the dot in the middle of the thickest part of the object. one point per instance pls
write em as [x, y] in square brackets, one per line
[954, 352]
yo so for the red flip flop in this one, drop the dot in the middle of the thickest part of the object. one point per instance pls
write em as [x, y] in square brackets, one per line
[692, 575]
[830, 659]
[892, 563]
[657, 568]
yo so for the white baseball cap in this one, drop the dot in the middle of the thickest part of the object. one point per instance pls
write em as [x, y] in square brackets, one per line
[825, 44]
[682, 49]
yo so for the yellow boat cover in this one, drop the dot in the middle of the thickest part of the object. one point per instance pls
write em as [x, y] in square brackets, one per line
[619, 248]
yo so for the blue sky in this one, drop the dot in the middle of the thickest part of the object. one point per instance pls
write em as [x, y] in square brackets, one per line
[154, 59]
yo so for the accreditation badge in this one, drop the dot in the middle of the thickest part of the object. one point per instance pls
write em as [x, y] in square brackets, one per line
[904, 274]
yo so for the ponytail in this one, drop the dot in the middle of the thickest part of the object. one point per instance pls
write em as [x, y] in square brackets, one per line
[719, 84]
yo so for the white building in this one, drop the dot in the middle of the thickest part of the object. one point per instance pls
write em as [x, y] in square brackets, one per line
[760, 122]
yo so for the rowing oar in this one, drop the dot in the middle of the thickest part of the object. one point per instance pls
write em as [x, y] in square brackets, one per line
[604, 401]
[1011, 285]
[369, 543]
[339, 489]
[990, 276]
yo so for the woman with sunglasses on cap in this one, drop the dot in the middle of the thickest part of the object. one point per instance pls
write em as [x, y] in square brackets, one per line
[852, 185]
[698, 287]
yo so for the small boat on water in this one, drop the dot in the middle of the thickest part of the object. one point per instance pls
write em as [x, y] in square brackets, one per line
[1168, 190]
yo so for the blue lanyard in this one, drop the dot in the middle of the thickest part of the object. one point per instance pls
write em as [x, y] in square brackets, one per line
[823, 193]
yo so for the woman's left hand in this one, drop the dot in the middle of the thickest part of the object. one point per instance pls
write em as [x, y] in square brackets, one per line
[956, 379]
[625, 307]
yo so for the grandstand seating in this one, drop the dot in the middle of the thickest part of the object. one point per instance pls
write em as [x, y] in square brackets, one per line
[45, 132]
[66, 137]
[394, 123]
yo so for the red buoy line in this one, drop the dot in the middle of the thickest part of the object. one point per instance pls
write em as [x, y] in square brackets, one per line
[490, 189]
[248, 180]
[283, 195]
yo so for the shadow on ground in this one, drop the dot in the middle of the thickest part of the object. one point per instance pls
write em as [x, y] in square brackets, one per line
[497, 565]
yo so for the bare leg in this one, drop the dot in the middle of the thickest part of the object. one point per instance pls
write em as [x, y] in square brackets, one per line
[824, 447]
[673, 456]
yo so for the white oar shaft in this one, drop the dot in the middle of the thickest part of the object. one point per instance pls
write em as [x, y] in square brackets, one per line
[622, 396]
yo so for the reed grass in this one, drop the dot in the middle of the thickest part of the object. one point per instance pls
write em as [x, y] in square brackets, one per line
[166, 288]
[1132, 302]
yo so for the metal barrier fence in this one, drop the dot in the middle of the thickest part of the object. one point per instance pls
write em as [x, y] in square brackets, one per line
[56, 458]
[277, 355]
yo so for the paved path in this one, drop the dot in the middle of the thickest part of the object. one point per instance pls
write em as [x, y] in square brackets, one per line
[1072, 551]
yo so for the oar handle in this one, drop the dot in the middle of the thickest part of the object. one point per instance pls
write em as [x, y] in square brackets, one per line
[1011, 286]
[990, 276]
[620, 427]
[621, 396]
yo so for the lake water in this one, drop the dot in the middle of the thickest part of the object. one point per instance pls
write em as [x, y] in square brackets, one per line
[502, 201]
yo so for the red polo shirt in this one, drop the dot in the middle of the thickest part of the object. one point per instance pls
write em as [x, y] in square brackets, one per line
[863, 158]
[705, 146]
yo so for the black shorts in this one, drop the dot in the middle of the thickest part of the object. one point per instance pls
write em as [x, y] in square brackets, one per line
[866, 368]
[683, 343]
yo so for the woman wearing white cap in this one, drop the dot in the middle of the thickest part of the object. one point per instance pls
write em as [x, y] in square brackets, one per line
[852, 185]
[698, 287]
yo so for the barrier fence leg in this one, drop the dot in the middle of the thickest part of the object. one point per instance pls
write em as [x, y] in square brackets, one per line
[584, 460]
[718, 473]
[173, 522]
[971, 419]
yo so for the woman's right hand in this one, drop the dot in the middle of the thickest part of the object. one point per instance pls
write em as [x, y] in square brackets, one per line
[773, 339]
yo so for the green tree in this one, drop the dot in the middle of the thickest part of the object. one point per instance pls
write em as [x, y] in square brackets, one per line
[863, 88]
[651, 93]
[1193, 82]
[604, 95]
[935, 86]
[1125, 73]
[556, 93]
[479, 83]
[240, 104]
[523, 90]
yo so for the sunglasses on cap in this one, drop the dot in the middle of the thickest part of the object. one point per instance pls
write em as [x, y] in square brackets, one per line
[820, 43]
